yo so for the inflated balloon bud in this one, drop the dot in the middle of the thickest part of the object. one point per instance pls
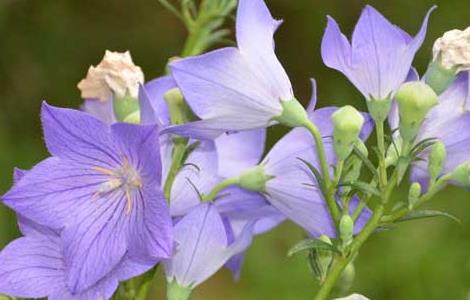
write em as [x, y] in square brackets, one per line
[413, 195]
[346, 228]
[347, 122]
[415, 99]
[437, 158]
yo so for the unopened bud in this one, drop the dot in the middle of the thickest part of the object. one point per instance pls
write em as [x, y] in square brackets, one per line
[347, 122]
[346, 228]
[254, 179]
[453, 50]
[415, 99]
[461, 174]
[413, 195]
[437, 158]
[126, 109]
[115, 76]
[180, 112]
[353, 297]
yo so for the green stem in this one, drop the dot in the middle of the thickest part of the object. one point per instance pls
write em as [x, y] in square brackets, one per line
[379, 126]
[329, 188]
[220, 187]
[179, 150]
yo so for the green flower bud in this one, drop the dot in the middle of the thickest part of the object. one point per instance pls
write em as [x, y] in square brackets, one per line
[346, 228]
[461, 174]
[437, 159]
[393, 152]
[415, 99]
[254, 179]
[347, 122]
[177, 292]
[413, 195]
[124, 107]
[293, 114]
[347, 278]
[180, 112]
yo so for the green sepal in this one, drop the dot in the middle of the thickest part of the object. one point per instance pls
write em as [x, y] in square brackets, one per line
[293, 114]
[177, 292]
[438, 77]
[126, 107]
[379, 109]
[254, 179]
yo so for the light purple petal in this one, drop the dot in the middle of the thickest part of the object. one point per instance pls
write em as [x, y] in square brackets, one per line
[255, 28]
[31, 267]
[313, 98]
[239, 151]
[202, 246]
[200, 172]
[75, 135]
[223, 85]
[155, 90]
[103, 111]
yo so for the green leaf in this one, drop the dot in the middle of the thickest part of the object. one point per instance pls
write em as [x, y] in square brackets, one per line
[363, 187]
[314, 170]
[365, 161]
[423, 214]
[423, 145]
[309, 244]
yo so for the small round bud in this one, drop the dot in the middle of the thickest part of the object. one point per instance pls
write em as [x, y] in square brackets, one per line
[254, 179]
[116, 75]
[461, 174]
[437, 158]
[414, 194]
[415, 99]
[346, 228]
[347, 122]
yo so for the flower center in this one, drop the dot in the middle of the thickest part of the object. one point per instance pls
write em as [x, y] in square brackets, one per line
[126, 179]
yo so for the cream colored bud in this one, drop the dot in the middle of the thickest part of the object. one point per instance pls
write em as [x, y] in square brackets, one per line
[116, 75]
[453, 49]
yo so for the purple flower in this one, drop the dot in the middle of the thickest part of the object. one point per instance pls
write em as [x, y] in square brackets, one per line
[379, 57]
[235, 88]
[449, 122]
[34, 266]
[101, 189]
[292, 190]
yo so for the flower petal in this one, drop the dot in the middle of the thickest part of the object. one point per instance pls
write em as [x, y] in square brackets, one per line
[239, 151]
[75, 135]
[31, 267]
[155, 90]
[222, 85]
[255, 28]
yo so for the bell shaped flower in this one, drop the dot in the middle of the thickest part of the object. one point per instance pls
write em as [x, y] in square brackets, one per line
[34, 266]
[448, 122]
[101, 190]
[235, 88]
[378, 58]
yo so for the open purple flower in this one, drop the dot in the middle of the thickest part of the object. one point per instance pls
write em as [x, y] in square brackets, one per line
[34, 266]
[235, 88]
[449, 122]
[101, 188]
[379, 57]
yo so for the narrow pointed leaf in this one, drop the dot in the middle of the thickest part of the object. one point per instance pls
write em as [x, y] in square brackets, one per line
[309, 244]
[423, 214]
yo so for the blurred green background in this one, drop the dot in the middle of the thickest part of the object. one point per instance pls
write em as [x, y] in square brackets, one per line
[46, 47]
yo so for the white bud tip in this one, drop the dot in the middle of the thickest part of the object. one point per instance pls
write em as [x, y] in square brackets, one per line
[453, 48]
[116, 75]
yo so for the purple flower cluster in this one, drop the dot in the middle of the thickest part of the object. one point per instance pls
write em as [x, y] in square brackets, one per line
[95, 213]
